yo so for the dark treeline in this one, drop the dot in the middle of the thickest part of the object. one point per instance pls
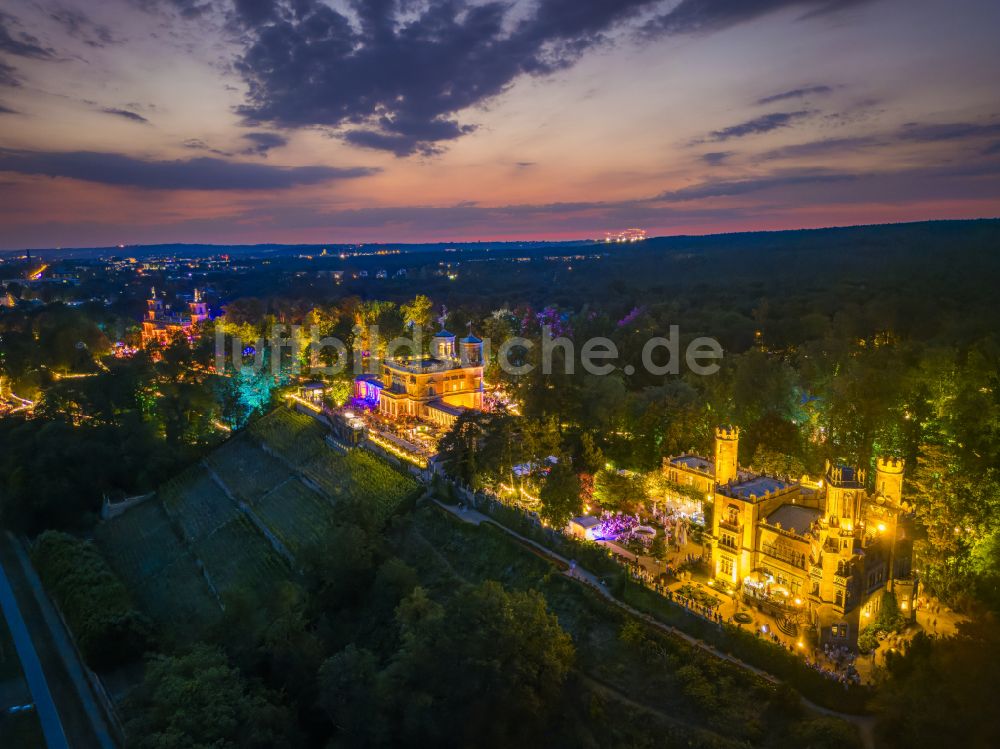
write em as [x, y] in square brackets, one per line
[839, 345]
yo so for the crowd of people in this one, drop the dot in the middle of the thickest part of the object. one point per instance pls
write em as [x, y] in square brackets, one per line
[836, 662]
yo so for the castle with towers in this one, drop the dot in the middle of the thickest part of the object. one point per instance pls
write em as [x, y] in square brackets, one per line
[818, 554]
[161, 324]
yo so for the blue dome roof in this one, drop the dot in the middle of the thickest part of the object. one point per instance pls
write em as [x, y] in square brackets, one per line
[471, 339]
[444, 334]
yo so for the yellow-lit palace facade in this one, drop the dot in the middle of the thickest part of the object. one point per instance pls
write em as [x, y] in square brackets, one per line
[813, 554]
[435, 388]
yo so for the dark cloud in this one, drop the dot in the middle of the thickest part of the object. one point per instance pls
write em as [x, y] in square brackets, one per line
[693, 16]
[396, 77]
[731, 187]
[992, 149]
[932, 133]
[714, 158]
[8, 75]
[256, 12]
[79, 26]
[825, 147]
[197, 144]
[261, 143]
[912, 132]
[7, 110]
[796, 93]
[763, 124]
[125, 114]
[189, 9]
[203, 173]
[20, 43]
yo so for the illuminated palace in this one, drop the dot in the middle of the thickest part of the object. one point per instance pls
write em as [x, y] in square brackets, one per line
[160, 324]
[818, 554]
[436, 388]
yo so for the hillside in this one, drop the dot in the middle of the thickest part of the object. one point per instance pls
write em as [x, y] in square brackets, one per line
[241, 519]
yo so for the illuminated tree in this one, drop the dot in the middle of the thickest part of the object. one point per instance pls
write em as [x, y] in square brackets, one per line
[560, 494]
[418, 311]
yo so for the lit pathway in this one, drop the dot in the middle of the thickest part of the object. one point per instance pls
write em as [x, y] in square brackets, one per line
[48, 716]
[864, 723]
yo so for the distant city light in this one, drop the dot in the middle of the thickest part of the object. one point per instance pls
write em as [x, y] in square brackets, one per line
[622, 237]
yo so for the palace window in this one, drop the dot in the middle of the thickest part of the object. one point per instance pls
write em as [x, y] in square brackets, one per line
[726, 566]
[840, 598]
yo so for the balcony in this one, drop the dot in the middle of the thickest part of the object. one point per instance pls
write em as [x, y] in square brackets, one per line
[734, 527]
[788, 556]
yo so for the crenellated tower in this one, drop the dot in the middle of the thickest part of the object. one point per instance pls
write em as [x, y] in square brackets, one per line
[845, 492]
[727, 444]
[889, 480]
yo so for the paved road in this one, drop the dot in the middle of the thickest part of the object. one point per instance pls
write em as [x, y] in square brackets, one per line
[83, 720]
[52, 728]
[92, 726]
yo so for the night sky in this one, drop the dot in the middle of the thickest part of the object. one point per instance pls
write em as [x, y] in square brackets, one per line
[141, 121]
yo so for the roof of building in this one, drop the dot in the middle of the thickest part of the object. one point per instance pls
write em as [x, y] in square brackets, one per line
[471, 339]
[694, 461]
[758, 486]
[586, 521]
[444, 334]
[440, 405]
[794, 518]
[425, 365]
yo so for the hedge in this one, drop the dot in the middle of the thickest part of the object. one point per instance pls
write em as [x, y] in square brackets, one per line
[108, 629]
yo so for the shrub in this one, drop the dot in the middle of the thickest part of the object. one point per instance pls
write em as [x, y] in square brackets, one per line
[108, 629]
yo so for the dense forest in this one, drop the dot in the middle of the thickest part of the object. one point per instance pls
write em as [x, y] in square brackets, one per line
[840, 345]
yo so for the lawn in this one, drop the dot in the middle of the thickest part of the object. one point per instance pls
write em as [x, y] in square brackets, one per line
[362, 478]
[139, 543]
[155, 545]
[297, 515]
[246, 469]
[158, 570]
[179, 598]
[237, 556]
[297, 438]
[197, 503]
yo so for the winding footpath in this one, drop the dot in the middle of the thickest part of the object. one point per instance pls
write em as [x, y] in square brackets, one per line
[864, 723]
[48, 716]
